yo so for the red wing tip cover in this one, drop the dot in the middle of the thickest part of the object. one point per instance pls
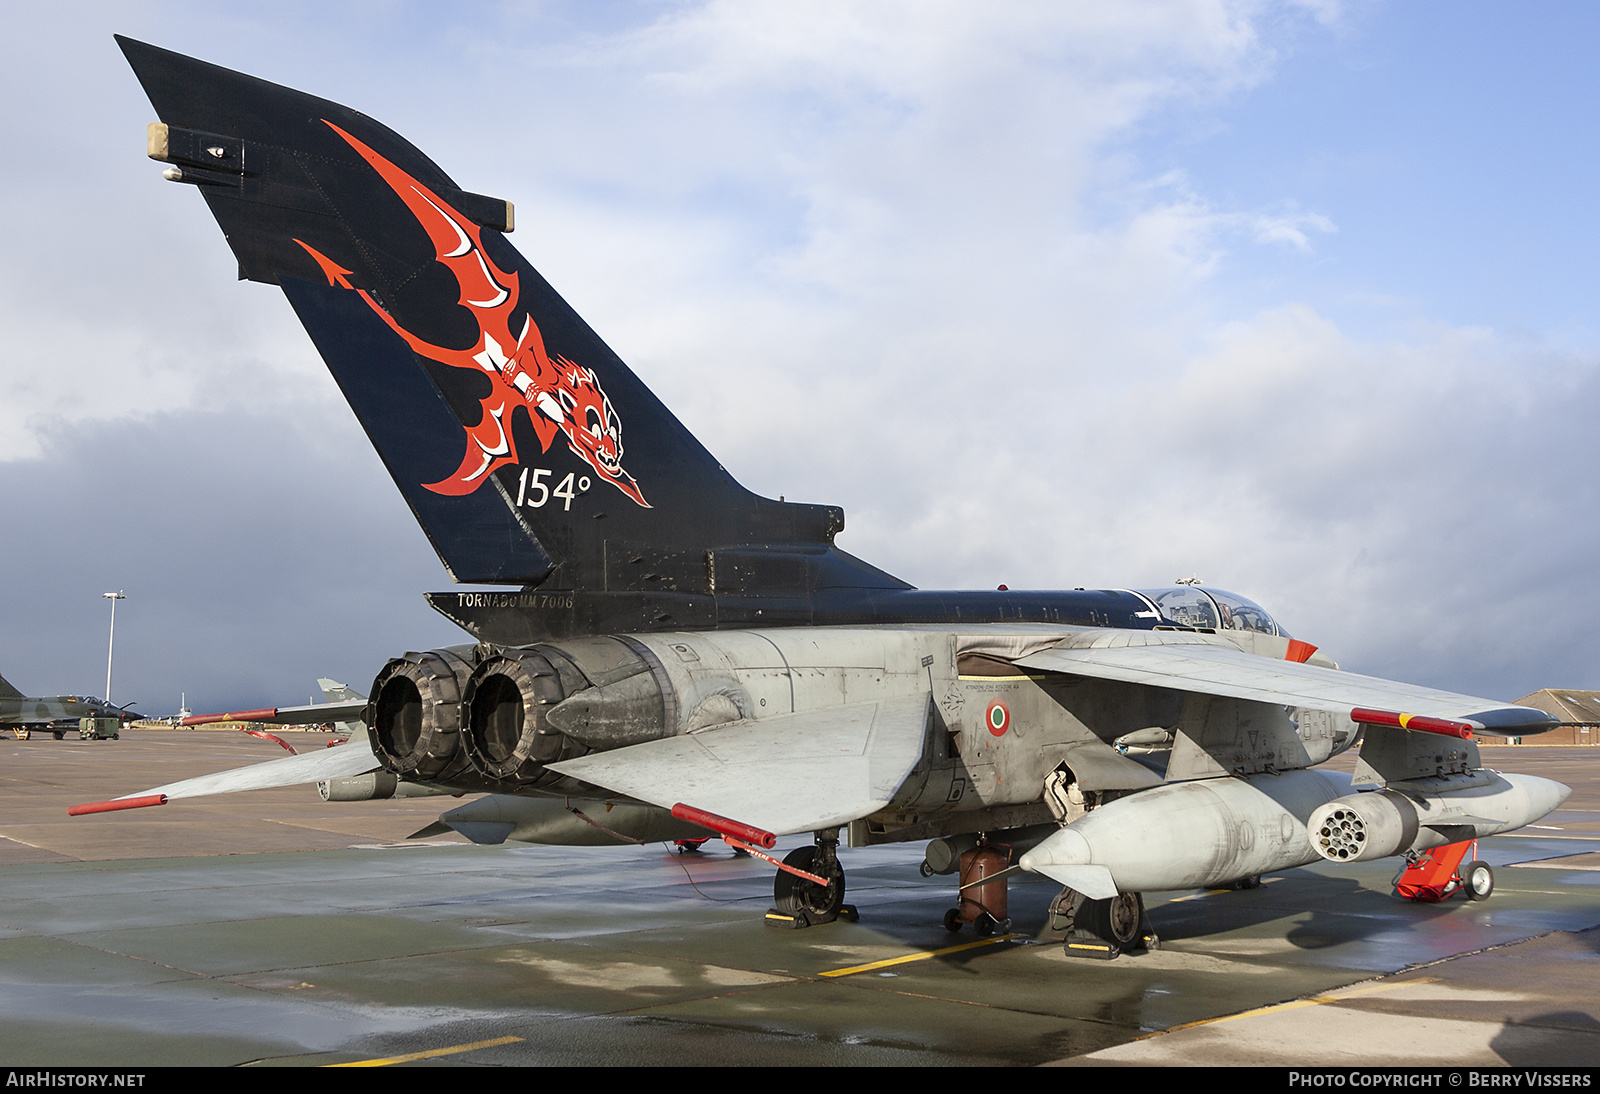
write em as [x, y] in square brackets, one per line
[724, 826]
[119, 803]
[1416, 722]
[232, 716]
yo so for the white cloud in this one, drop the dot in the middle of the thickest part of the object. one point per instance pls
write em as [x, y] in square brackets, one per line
[899, 257]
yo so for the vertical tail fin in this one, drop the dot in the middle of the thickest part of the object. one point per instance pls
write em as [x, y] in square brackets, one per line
[336, 692]
[529, 453]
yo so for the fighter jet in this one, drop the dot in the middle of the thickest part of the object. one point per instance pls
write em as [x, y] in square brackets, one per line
[673, 656]
[55, 714]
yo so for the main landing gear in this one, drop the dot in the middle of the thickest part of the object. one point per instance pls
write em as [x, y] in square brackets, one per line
[1102, 929]
[802, 902]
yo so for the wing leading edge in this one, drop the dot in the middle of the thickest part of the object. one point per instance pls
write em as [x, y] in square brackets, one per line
[313, 714]
[310, 767]
[1212, 665]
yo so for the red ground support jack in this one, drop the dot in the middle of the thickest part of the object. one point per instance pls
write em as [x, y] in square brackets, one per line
[1438, 874]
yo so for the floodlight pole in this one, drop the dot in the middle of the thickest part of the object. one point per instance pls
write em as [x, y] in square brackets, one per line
[111, 643]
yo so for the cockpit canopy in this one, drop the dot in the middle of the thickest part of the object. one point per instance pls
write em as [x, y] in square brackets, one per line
[1211, 609]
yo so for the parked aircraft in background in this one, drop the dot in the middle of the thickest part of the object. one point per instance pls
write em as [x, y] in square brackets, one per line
[56, 714]
[674, 655]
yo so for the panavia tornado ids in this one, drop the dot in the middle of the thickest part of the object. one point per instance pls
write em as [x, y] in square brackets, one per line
[673, 656]
[53, 714]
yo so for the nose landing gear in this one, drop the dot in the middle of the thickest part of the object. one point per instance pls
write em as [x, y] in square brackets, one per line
[1102, 929]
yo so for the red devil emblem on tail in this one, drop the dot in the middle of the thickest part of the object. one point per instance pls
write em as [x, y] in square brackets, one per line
[560, 396]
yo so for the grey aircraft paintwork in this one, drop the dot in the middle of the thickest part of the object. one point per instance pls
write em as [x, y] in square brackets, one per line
[896, 733]
[764, 682]
[54, 714]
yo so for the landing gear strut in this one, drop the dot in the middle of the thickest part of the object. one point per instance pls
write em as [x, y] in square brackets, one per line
[1102, 928]
[799, 902]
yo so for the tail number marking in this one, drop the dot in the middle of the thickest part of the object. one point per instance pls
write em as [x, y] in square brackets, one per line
[564, 489]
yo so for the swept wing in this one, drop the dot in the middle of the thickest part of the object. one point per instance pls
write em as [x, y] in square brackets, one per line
[327, 763]
[312, 714]
[790, 773]
[1212, 665]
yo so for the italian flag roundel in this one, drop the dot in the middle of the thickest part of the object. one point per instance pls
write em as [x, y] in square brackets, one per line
[998, 718]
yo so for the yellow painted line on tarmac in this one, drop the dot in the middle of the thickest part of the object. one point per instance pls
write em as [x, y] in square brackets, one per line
[923, 956]
[430, 1054]
[1315, 1000]
[1197, 896]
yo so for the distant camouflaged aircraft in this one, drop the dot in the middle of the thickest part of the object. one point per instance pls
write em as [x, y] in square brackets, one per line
[56, 713]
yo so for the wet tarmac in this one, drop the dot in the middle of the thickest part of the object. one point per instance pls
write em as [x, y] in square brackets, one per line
[272, 928]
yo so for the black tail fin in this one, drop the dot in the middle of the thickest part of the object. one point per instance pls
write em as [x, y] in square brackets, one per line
[530, 454]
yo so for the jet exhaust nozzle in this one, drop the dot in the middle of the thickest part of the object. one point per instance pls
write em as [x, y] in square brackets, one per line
[415, 713]
[509, 737]
[532, 706]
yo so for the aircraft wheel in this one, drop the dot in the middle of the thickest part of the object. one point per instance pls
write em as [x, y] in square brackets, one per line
[1479, 880]
[1117, 919]
[952, 920]
[58, 736]
[985, 925]
[795, 894]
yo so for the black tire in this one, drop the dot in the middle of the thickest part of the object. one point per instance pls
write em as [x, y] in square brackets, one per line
[984, 925]
[1116, 920]
[952, 920]
[1478, 880]
[793, 895]
[58, 735]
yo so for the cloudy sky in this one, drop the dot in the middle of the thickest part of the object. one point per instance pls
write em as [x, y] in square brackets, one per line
[1298, 298]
